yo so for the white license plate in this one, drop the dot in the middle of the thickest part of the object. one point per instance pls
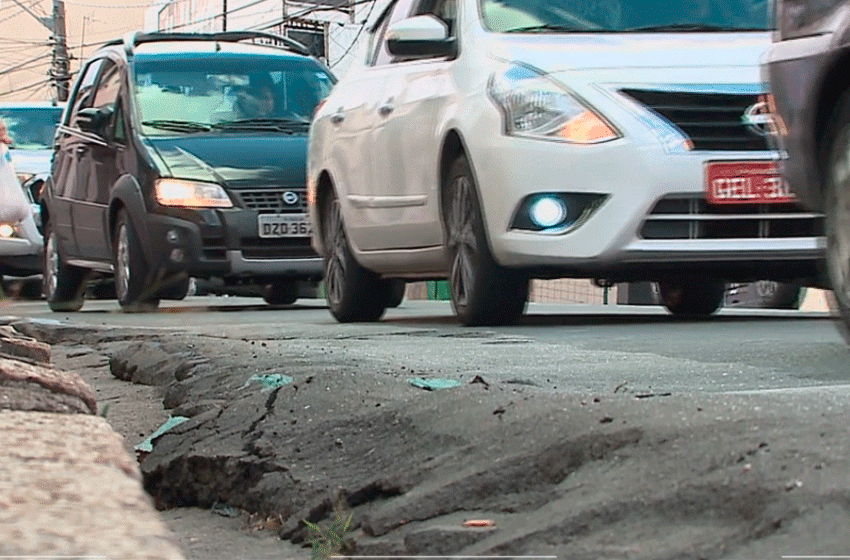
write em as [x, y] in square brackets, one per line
[284, 225]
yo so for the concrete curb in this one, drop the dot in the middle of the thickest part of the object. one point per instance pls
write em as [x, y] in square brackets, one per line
[68, 487]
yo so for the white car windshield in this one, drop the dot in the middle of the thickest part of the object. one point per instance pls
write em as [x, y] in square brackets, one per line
[624, 16]
[192, 96]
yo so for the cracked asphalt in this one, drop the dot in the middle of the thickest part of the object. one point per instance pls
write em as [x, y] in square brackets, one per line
[580, 434]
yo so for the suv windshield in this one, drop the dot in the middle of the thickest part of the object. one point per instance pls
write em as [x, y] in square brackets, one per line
[624, 16]
[189, 96]
[31, 128]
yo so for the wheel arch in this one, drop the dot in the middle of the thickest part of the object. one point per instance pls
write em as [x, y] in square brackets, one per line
[128, 195]
[834, 83]
[454, 146]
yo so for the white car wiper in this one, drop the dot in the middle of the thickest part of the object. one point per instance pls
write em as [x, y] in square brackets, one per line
[178, 126]
[555, 28]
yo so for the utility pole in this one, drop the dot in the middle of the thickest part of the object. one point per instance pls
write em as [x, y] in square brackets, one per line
[60, 71]
[224, 15]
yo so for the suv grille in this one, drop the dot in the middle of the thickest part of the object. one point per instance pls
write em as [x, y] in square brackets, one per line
[694, 218]
[713, 121]
[273, 200]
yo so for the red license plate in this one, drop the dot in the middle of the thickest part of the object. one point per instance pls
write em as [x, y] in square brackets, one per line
[745, 182]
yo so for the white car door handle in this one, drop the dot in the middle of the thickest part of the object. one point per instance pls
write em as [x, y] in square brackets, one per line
[337, 118]
[386, 109]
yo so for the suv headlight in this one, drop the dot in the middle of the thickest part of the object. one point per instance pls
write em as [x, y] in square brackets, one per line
[535, 106]
[191, 194]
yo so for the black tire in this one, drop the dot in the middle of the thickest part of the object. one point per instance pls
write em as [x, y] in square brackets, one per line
[102, 289]
[354, 293]
[281, 292]
[779, 295]
[132, 273]
[63, 284]
[395, 293]
[837, 222]
[176, 288]
[483, 292]
[692, 297]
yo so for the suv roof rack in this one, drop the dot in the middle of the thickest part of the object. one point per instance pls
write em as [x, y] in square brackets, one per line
[132, 39]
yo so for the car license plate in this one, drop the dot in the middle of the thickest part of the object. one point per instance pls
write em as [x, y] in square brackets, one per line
[284, 225]
[745, 182]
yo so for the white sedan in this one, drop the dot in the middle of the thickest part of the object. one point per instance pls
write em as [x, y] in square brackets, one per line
[494, 141]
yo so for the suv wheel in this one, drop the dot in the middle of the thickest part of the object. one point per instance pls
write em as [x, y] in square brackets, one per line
[354, 293]
[131, 270]
[483, 292]
[64, 284]
[281, 292]
[692, 297]
[837, 221]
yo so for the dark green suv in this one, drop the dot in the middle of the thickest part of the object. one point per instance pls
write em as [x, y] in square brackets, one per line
[183, 156]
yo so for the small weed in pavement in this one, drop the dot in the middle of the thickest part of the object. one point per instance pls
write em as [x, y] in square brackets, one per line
[330, 540]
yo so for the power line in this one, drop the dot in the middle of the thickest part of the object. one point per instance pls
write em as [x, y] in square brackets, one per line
[118, 6]
[25, 88]
[356, 37]
[23, 65]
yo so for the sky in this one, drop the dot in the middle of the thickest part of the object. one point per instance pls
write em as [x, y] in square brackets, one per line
[25, 54]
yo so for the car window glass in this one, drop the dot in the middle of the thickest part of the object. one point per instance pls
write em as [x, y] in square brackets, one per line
[400, 11]
[83, 92]
[119, 133]
[107, 88]
[623, 16]
[186, 95]
[445, 10]
[376, 33]
[31, 128]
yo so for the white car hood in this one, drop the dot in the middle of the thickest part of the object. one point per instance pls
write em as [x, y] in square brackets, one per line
[558, 53]
[31, 161]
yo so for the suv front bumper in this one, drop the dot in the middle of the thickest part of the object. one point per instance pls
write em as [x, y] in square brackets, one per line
[221, 244]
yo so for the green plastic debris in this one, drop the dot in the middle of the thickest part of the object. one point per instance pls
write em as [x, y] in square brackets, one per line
[147, 445]
[434, 384]
[269, 381]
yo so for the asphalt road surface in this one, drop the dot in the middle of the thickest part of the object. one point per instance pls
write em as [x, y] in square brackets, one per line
[561, 347]
[582, 433]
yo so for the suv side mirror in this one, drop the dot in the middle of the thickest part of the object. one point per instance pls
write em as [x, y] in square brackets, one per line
[424, 35]
[92, 119]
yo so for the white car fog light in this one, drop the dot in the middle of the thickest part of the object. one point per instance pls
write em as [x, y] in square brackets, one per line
[177, 255]
[548, 211]
[7, 231]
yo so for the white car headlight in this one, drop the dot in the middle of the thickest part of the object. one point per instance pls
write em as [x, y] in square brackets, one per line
[535, 106]
[190, 194]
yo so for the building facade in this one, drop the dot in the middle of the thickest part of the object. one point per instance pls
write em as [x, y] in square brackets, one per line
[331, 29]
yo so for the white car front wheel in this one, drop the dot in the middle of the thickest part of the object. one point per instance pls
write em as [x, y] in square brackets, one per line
[483, 292]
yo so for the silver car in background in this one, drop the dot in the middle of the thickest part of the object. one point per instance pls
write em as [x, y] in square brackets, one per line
[31, 126]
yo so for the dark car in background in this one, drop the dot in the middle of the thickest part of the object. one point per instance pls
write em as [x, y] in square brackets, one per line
[182, 156]
[807, 69]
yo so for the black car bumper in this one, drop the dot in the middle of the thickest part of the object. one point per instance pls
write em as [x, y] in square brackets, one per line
[227, 244]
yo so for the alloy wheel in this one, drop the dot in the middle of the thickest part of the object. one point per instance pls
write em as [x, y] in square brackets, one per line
[335, 268]
[462, 244]
[52, 269]
[122, 264]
